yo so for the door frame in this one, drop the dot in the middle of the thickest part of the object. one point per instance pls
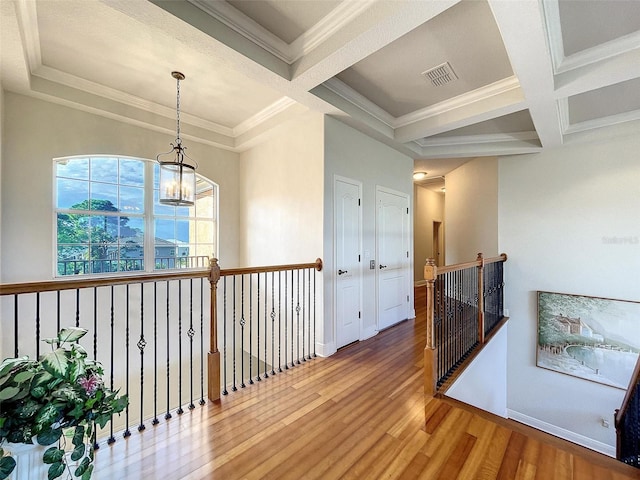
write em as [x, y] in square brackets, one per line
[409, 282]
[357, 183]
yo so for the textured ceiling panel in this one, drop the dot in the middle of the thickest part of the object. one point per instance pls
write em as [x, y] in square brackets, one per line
[465, 35]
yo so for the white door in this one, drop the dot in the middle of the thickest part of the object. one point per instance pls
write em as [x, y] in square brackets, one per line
[347, 260]
[392, 232]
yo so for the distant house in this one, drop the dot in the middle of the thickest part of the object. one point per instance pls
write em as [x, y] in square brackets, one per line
[575, 326]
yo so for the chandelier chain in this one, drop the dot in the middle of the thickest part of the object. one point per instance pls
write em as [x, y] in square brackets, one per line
[178, 111]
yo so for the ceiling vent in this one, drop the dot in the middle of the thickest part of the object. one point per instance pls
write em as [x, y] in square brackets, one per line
[440, 75]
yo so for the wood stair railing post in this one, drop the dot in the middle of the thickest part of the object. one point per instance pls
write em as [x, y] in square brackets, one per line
[480, 259]
[213, 358]
[430, 351]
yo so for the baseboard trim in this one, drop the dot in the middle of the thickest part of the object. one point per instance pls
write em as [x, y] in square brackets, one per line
[326, 349]
[562, 433]
[368, 333]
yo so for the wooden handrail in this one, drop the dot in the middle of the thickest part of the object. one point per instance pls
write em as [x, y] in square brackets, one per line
[317, 265]
[634, 385]
[476, 263]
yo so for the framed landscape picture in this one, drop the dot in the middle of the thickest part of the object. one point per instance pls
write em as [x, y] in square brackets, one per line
[597, 339]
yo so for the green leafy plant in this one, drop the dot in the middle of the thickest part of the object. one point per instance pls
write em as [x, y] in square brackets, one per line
[61, 392]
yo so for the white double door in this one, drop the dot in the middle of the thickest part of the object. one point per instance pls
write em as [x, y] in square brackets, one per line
[392, 243]
[391, 263]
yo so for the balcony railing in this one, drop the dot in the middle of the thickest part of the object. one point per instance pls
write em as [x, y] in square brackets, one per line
[157, 335]
[464, 307]
[83, 267]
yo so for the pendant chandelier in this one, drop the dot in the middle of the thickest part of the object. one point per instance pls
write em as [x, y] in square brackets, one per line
[178, 172]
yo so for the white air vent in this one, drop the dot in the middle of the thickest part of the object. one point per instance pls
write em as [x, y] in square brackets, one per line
[440, 75]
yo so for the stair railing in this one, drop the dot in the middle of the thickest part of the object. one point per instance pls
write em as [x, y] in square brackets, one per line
[465, 306]
[627, 422]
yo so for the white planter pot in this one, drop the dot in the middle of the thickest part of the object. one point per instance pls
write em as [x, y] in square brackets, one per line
[28, 459]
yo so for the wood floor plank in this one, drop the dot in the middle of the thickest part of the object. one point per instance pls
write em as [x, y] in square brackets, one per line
[359, 414]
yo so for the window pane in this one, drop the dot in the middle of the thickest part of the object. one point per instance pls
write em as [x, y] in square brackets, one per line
[72, 260]
[204, 204]
[131, 257]
[104, 170]
[182, 230]
[160, 209]
[131, 200]
[131, 230]
[204, 231]
[204, 252]
[156, 176]
[104, 197]
[70, 193]
[73, 168]
[131, 172]
[104, 230]
[72, 228]
[165, 229]
[184, 211]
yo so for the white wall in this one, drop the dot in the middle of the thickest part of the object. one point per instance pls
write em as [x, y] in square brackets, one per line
[40, 131]
[471, 211]
[280, 194]
[428, 208]
[557, 210]
[351, 154]
[484, 383]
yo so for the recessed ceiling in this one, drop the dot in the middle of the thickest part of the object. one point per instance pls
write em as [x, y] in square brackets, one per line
[530, 74]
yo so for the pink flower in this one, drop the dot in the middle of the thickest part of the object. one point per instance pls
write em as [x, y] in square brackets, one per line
[90, 384]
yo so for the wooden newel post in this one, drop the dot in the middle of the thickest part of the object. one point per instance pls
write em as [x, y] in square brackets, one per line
[213, 358]
[480, 298]
[430, 275]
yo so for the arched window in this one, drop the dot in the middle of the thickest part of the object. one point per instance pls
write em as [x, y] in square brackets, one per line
[108, 219]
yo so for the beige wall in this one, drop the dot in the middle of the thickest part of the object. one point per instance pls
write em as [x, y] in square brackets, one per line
[40, 131]
[471, 210]
[281, 195]
[428, 208]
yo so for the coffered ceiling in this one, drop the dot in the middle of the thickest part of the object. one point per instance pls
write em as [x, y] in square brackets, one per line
[440, 80]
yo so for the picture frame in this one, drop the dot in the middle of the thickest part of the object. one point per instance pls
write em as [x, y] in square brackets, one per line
[593, 338]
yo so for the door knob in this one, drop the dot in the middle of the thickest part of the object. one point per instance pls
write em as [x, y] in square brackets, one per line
[382, 266]
[340, 272]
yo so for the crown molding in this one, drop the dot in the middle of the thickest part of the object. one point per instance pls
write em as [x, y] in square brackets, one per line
[483, 93]
[335, 20]
[248, 28]
[478, 139]
[27, 16]
[603, 122]
[363, 103]
[264, 115]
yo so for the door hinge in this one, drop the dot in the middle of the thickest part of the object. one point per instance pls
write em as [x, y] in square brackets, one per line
[358, 258]
[407, 254]
[407, 210]
[358, 202]
[359, 314]
[407, 298]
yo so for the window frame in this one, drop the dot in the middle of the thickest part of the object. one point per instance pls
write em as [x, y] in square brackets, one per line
[148, 217]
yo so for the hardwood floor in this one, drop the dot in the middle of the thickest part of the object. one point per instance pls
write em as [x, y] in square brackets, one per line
[359, 414]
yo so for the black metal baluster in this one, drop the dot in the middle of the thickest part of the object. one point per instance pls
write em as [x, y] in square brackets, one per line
[142, 343]
[111, 439]
[233, 336]
[179, 411]
[298, 315]
[303, 312]
[155, 420]
[266, 290]
[292, 316]
[96, 445]
[258, 378]
[190, 333]
[77, 307]
[242, 323]
[309, 313]
[58, 311]
[251, 329]
[286, 319]
[279, 321]
[224, 336]
[37, 324]
[314, 314]
[273, 320]
[202, 401]
[168, 415]
[127, 432]
[15, 325]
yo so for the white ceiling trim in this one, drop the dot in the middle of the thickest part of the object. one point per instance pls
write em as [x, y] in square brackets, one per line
[602, 122]
[27, 17]
[337, 19]
[478, 139]
[251, 30]
[363, 103]
[483, 93]
[513, 147]
[262, 116]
